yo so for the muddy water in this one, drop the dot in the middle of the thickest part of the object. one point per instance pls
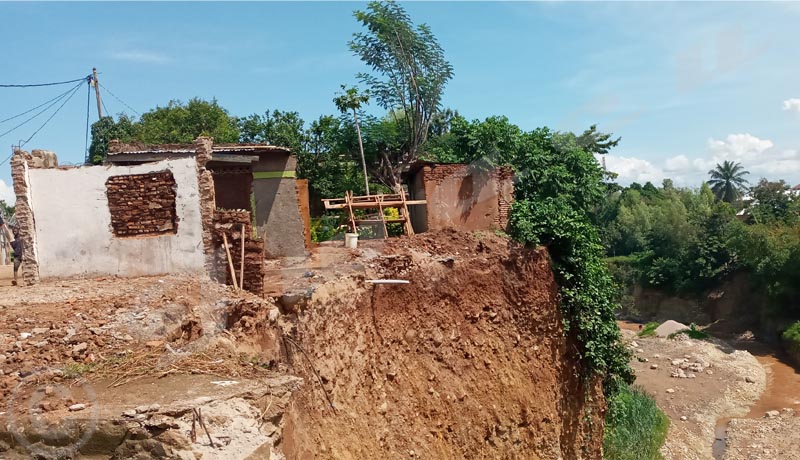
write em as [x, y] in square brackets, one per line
[783, 389]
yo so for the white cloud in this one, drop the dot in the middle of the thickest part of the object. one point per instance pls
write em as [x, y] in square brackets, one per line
[739, 146]
[142, 56]
[7, 193]
[677, 164]
[792, 105]
[632, 169]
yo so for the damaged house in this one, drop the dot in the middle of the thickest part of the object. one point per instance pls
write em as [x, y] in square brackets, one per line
[156, 209]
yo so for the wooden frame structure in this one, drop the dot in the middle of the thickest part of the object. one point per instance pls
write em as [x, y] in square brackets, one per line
[379, 202]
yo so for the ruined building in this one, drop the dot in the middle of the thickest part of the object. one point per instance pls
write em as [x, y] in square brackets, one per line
[155, 209]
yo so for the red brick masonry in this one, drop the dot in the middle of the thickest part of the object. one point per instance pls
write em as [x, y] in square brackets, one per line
[142, 204]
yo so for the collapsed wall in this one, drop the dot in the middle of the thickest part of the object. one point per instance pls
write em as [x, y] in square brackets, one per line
[469, 360]
[116, 220]
[230, 223]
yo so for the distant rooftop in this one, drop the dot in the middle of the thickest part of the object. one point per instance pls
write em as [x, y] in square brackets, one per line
[138, 148]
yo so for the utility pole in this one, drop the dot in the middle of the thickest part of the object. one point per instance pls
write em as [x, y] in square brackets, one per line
[97, 93]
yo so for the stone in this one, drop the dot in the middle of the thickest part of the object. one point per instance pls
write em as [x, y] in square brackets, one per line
[670, 390]
[654, 366]
[147, 409]
[273, 315]
[130, 413]
[154, 344]
[77, 407]
[684, 418]
[771, 414]
[749, 379]
[383, 408]
[80, 348]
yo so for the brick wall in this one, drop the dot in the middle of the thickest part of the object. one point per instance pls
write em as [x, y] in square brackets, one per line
[229, 223]
[24, 216]
[142, 204]
[464, 197]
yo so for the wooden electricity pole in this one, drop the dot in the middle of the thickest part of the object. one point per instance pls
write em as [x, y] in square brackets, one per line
[97, 93]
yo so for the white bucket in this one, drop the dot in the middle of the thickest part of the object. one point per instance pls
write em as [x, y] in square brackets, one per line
[351, 240]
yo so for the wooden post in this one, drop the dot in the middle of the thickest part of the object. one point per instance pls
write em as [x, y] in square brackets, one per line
[383, 218]
[241, 262]
[230, 261]
[97, 93]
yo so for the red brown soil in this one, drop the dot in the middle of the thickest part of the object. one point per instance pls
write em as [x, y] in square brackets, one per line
[469, 360]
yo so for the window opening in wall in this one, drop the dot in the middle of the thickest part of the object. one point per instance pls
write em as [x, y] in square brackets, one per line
[142, 204]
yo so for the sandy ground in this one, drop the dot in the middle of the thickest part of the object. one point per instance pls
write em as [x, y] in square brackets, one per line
[739, 406]
[725, 383]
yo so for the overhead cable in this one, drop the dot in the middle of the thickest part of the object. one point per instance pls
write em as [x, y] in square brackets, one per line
[51, 116]
[51, 104]
[33, 85]
[38, 106]
[120, 100]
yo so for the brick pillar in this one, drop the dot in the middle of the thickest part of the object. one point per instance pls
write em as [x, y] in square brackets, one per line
[24, 216]
[205, 183]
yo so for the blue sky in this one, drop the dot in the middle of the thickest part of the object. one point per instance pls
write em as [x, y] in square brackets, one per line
[685, 84]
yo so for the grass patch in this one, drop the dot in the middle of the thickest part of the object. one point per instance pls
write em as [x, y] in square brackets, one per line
[693, 332]
[648, 330]
[635, 426]
[77, 370]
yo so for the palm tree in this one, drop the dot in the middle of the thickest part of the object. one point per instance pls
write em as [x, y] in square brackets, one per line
[727, 181]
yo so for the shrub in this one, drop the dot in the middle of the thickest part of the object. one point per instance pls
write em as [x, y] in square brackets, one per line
[692, 332]
[648, 330]
[324, 228]
[792, 338]
[635, 426]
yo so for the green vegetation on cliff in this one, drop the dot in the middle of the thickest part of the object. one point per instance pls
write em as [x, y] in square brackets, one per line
[635, 427]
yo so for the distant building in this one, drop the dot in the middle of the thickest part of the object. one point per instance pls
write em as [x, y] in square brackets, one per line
[460, 196]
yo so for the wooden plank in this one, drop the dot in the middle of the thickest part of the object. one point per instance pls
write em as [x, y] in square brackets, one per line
[230, 261]
[241, 262]
[387, 204]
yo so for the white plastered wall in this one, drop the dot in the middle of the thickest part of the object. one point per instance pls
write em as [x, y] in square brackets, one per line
[73, 224]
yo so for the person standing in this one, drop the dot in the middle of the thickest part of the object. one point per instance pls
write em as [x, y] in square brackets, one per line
[18, 248]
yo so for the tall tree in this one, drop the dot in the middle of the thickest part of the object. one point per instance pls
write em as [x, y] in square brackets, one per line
[728, 180]
[352, 99]
[594, 141]
[285, 129]
[408, 79]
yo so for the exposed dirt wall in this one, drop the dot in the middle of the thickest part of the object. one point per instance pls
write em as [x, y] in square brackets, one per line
[469, 360]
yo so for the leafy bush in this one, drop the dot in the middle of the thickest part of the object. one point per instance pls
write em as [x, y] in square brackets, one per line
[648, 330]
[635, 426]
[324, 228]
[557, 190]
[792, 337]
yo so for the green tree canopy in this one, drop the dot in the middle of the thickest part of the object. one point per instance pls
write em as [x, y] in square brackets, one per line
[409, 73]
[177, 123]
[728, 180]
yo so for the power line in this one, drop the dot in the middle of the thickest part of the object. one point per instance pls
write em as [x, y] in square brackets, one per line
[51, 116]
[38, 106]
[120, 100]
[33, 85]
[54, 102]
